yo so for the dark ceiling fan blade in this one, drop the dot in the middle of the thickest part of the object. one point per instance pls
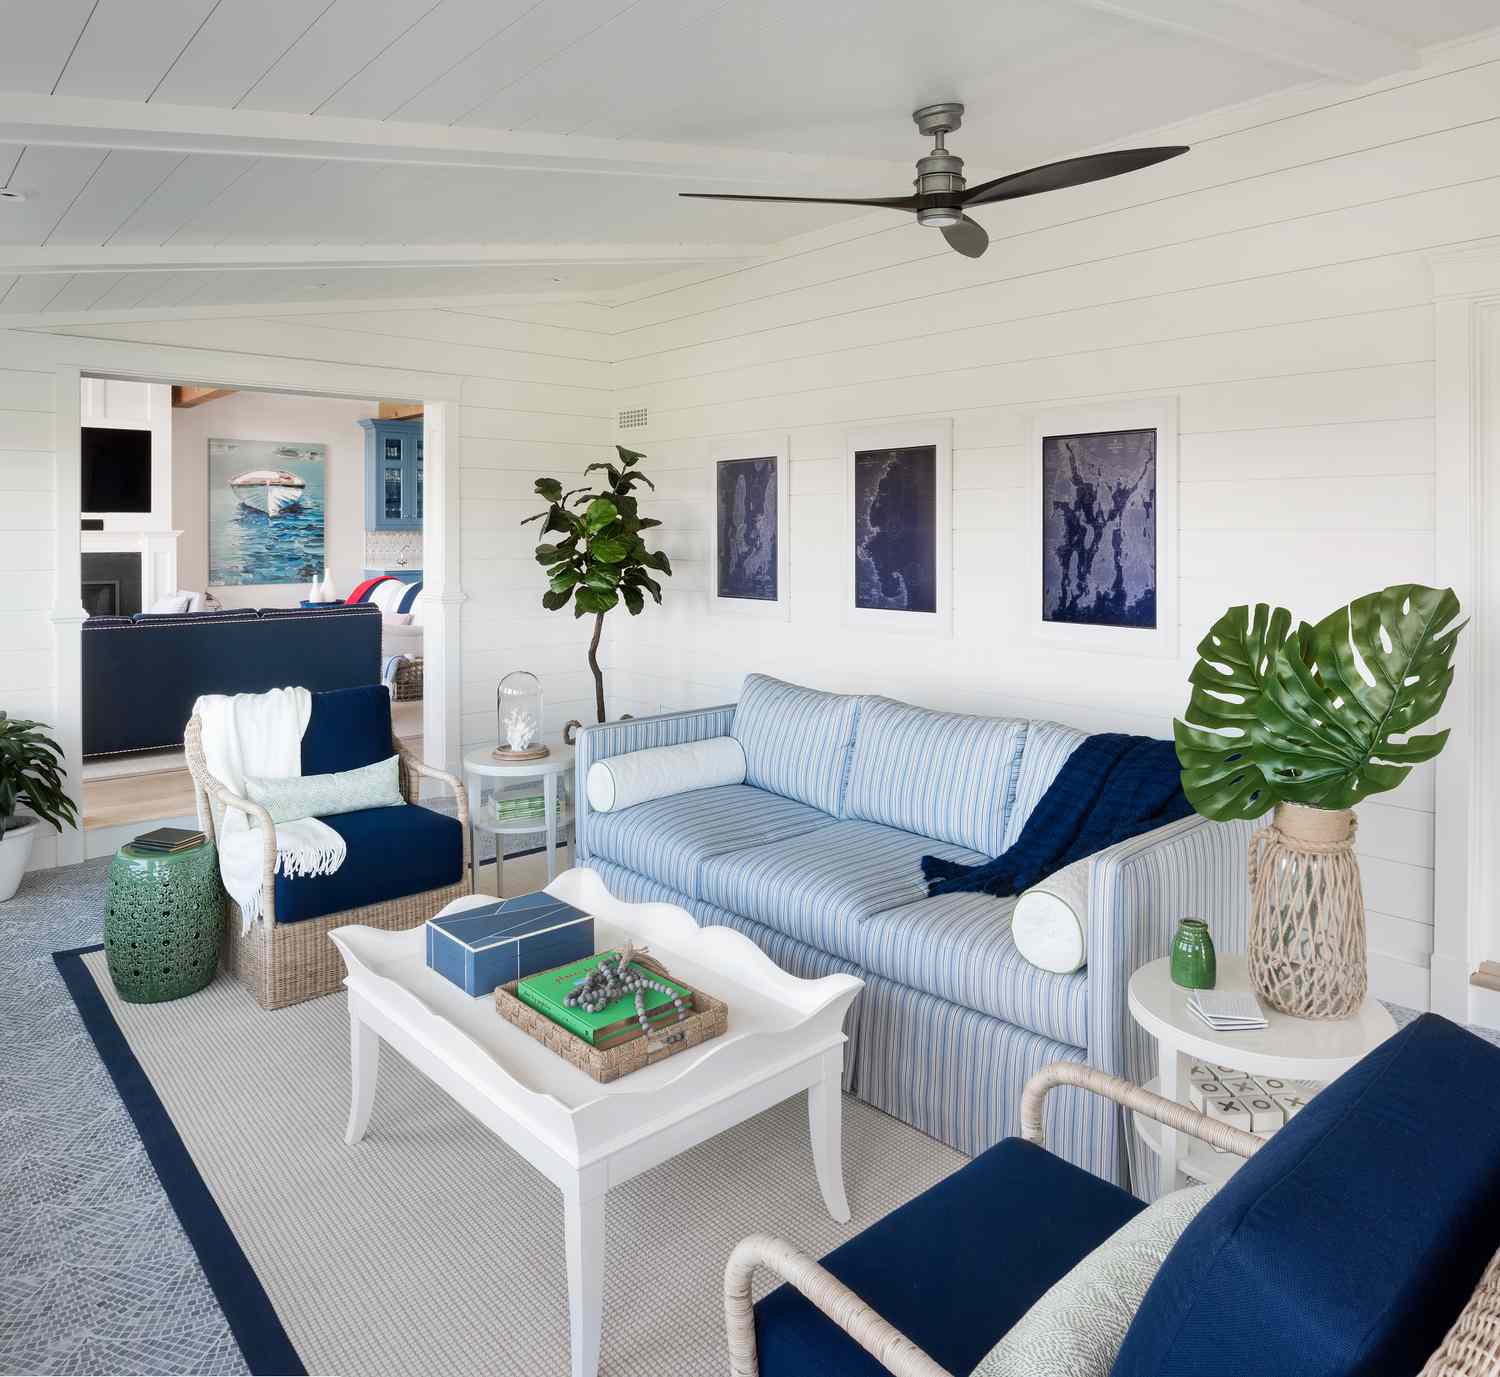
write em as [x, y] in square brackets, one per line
[967, 236]
[884, 202]
[1092, 167]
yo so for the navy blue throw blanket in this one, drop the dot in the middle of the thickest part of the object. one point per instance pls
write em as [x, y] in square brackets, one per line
[1111, 788]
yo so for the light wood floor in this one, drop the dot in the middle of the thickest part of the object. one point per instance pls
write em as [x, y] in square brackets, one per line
[161, 789]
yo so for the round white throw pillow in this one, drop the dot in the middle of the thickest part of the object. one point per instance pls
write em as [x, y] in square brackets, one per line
[1050, 920]
[640, 776]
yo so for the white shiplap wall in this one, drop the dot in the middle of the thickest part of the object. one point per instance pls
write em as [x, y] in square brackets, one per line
[1275, 281]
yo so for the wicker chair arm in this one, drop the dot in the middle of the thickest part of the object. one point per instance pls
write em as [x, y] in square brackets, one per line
[1171, 1113]
[260, 818]
[878, 1337]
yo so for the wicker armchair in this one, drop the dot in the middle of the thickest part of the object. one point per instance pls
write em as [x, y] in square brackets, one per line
[1470, 1349]
[285, 963]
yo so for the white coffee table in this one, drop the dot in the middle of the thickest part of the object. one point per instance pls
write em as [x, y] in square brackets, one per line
[1292, 1048]
[785, 1035]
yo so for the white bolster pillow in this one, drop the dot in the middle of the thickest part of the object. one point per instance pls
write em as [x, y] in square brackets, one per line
[1050, 921]
[640, 776]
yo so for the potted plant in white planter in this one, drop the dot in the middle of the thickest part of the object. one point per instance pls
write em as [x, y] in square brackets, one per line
[1308, 722]
[31, 773]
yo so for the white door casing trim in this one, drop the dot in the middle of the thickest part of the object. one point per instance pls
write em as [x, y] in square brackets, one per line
[440, 395]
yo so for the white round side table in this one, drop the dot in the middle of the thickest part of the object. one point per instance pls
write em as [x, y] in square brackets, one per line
[480, 765]
[1289, 1048]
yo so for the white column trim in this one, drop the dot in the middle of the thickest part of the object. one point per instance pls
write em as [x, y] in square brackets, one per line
[67, 599]
[1467, 292]
[442, 702]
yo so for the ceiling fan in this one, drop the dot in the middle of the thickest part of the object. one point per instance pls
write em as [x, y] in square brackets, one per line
[942, 197]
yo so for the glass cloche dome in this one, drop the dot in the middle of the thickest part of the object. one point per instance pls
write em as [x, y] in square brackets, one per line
[518, 717]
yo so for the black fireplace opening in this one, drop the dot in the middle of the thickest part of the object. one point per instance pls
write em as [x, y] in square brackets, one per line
[101, 597]
[111, 584]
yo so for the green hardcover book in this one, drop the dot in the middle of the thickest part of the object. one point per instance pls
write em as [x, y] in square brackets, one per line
[546, 990]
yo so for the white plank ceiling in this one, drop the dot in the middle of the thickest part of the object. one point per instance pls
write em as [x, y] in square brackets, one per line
[196, 152]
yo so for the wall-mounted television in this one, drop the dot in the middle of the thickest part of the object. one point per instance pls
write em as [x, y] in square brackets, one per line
[116, 470]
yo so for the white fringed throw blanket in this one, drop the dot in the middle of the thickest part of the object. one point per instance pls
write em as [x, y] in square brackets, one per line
[260, 735]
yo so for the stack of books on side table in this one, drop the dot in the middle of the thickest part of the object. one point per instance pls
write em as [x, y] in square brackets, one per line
[615, 1023]
[166, 840]
[519, 807]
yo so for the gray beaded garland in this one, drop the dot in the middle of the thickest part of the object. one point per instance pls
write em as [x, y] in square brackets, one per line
[617, 979]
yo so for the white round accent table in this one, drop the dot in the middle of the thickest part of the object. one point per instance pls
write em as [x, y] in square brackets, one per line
[1291, 1048]
[480, 765]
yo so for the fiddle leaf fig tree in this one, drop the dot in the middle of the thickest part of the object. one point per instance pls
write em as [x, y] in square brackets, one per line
[31, 772]
[599, 559]
[1322, 716]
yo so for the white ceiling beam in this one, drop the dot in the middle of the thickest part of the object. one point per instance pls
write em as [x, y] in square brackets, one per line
[1293, 32]
[84, 122]
[73, 258]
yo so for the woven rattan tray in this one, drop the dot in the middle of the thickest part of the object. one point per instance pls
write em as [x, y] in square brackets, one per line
[709, 1018]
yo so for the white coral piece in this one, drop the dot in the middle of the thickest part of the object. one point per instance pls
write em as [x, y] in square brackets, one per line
[520, 729]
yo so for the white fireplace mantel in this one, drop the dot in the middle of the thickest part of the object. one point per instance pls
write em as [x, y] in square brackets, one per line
[158, 552]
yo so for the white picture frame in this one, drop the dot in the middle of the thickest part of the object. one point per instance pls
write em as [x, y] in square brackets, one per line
[1158, 413]
[933, 433]
[739, 449]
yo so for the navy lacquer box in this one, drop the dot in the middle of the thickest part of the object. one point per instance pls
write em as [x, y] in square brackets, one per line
[481, 948]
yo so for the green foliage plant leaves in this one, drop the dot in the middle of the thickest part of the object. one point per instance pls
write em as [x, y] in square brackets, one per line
[1323, 717]
[600, 559]
[31, 773]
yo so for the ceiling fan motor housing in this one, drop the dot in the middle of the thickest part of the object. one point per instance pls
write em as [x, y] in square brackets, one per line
[941, 173]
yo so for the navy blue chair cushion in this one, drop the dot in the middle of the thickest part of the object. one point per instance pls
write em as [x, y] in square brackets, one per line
[393, 852]
[1350, 1242]
[954, 1268]
[347, 728]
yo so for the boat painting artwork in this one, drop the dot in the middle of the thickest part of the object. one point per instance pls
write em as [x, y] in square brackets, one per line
[747, 531]
[265, 511]
[1099, 529]
[895, 529]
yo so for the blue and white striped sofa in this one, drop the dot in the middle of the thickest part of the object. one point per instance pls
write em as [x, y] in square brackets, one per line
[816, 858]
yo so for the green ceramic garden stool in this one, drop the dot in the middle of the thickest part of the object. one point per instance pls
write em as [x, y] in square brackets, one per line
[162, 922]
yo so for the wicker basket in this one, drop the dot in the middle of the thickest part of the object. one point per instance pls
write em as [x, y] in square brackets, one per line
[709, 1018]
[408, 680]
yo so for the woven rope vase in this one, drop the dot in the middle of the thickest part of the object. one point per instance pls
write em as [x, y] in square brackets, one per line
[1307, 913]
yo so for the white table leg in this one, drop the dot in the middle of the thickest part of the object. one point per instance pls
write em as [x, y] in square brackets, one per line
[549, 794]
[364, 1069]
[583, 1223]
[476, 795]
[825, 1122]
[1170, 1067]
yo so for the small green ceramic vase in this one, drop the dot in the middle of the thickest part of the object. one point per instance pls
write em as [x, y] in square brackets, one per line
[1194, 966]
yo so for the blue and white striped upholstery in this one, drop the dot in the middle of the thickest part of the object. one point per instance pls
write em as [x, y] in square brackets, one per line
[668, 839]
[640, 733]
[1048, 745]
[820, 887]
[940, 774]
[959, 947]
[957, 1074]
[796, 740]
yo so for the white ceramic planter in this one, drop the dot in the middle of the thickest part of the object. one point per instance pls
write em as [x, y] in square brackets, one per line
[15, 851]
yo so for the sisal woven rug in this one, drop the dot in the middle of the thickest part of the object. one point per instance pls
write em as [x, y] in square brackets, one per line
[431, 1246]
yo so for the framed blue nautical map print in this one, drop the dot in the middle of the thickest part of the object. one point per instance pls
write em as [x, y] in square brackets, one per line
[747, 538]
[899, 490]
[1105, 485]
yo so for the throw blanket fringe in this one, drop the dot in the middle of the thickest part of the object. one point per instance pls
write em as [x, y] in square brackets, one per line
[1111, 788]
[260, 735]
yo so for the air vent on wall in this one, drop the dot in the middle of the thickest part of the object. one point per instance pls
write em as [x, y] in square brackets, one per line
[634, 418]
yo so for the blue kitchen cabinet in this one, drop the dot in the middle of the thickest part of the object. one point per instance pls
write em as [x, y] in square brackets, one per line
[393, 475]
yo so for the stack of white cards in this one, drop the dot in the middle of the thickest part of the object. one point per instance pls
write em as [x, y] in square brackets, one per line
[1226, 1011]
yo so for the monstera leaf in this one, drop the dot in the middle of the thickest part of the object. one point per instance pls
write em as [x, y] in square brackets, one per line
[1219, 773]
[1323, 717]
[1334, 723]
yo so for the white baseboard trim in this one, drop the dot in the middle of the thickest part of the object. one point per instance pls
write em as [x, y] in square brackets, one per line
[1400, 982]
[1484, 1007]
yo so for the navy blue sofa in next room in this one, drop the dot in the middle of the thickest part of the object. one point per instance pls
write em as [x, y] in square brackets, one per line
[142, 675]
